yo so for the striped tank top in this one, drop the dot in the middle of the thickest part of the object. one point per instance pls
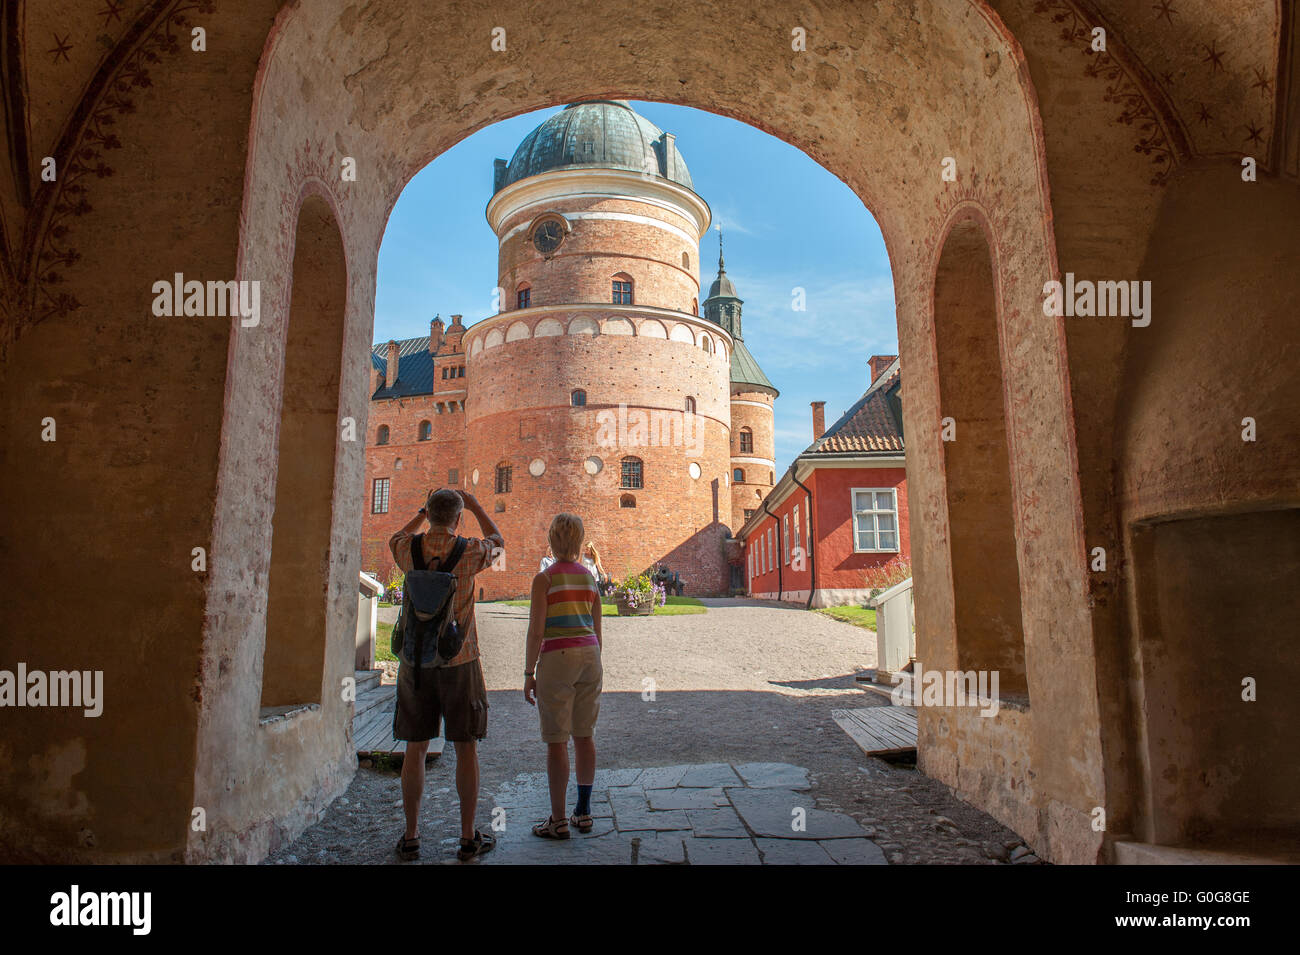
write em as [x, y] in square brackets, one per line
[568, 607]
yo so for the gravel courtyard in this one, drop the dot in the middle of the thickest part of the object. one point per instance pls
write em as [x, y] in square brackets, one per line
[744, 683]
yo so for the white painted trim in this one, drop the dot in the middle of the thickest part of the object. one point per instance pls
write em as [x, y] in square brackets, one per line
[618, 216]
[753, 404]
[747, 460]
[560, 184]
[853, 514]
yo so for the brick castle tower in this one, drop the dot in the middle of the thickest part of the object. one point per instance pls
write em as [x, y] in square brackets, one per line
[598, 387]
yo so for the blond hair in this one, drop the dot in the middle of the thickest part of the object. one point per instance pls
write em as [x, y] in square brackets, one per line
[566, 536]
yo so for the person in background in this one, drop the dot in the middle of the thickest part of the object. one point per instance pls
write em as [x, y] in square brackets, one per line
[591, 560]
[563, 673]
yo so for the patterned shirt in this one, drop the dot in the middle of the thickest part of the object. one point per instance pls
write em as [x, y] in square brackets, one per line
[571, 590]
[477, 557]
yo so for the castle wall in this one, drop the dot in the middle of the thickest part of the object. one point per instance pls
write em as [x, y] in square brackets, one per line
[521, 412]
[610, 234]
[760, 464]
[424, 465]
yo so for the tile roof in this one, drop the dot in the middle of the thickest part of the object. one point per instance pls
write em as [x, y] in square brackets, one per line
[873, 424]
[414, 368]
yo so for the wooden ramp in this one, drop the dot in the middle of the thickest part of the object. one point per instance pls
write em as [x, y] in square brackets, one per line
[880, 730]
[372, 720]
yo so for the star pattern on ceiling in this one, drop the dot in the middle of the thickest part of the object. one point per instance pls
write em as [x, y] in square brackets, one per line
[61, 48]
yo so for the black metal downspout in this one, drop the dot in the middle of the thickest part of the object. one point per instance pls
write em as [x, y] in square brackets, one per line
[780, 588]
[812, 531]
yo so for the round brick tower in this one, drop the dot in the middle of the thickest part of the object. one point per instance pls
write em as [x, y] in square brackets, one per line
[598, 388]
[753, 441]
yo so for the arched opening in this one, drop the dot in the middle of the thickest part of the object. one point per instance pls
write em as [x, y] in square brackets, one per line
[981, 528]
[426, 430]
[632, 473]
[298, 582]
[381, 436]
[746, 441]
[578, 398]
[523, 295]
[738, 475]
[627, 500]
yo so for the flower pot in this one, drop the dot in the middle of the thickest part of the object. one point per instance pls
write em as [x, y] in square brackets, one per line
[645, 606]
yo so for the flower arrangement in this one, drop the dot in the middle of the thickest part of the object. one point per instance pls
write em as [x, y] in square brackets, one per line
[393, 592]
[639, 594]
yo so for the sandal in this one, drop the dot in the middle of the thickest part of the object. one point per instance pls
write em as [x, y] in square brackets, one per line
[408, 849]
[481, 843]
[582, 823]
[550, 829]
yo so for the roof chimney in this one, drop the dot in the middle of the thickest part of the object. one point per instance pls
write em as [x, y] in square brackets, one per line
[878, 364]
[455, 332]
[390, 372]
[435, 335]
[819, 419]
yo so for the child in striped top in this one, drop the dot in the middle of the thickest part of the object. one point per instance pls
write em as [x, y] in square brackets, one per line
[563, 674]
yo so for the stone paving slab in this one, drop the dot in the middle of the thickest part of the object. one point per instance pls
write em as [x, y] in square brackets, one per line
[854, 851]
[662, 777]
[744, 818]
[771, 813]
[682, 798]
[721, 823]
[773, 776]
[721, 852]
[793, 852]
[710, 775]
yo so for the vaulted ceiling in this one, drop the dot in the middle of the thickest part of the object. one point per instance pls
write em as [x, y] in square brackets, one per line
[1193, 77]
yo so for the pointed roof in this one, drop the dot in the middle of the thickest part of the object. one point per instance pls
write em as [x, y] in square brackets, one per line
[722, 286]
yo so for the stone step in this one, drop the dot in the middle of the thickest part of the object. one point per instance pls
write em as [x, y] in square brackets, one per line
[368, 678]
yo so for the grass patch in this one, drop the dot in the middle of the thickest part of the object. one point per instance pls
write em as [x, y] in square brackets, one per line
[858, 616]
[384, 642]
[385, 603]
[676, 607]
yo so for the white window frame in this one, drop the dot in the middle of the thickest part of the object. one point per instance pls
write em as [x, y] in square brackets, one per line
[875, 526]
[785, 539]
[795, 523]
[771, 546]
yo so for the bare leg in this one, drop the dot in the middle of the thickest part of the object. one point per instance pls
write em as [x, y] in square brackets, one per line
[557, 774]
[584, 759]
[413, 785]
[466, 785]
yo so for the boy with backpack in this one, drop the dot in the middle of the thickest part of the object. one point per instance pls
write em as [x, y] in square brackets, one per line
[439, 677]
[563, 674]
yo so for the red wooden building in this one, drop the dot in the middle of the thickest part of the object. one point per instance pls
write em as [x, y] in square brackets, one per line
[841, 507]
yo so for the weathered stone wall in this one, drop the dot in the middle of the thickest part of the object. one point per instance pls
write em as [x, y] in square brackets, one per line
[168, 429]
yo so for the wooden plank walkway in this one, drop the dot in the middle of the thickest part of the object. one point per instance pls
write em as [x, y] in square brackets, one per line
[880, 730]
[372, 720]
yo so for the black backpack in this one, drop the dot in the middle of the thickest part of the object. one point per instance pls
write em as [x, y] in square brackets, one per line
[426, 633]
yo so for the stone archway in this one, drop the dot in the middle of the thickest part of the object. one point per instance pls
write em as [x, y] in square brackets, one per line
[390, 132]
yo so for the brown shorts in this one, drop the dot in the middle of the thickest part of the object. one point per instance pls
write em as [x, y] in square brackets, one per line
[456, 695]
[568, 692]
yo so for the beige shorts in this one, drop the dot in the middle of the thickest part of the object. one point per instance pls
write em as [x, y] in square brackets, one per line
[568, 692]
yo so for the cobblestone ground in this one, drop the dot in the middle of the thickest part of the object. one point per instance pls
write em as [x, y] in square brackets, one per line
[689, 703]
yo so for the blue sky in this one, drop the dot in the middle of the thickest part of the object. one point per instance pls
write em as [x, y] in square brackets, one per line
[786, 223]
